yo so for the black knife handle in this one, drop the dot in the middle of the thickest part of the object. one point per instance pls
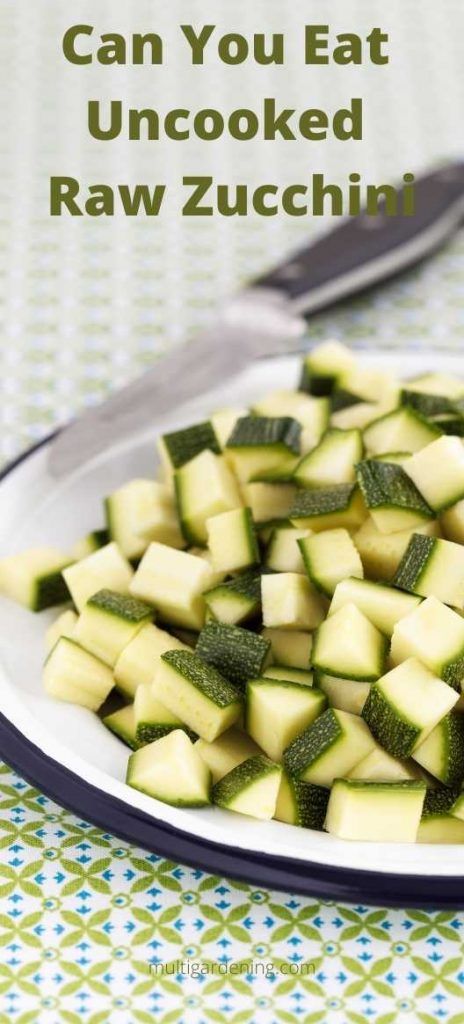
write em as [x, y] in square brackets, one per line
[365, 250]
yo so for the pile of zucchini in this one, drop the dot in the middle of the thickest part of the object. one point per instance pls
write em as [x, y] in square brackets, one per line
[304, 563]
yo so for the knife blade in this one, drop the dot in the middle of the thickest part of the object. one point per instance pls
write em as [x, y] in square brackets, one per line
[264, 317]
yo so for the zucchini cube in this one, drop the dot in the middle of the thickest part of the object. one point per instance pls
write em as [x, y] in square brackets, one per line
[438, 472]
[433, 567]
[92, 541]
[378, 812]
[289, 601]
[289, 674]
[349, 646]
[379, 766]
[322, 368]
[64, 625]
[330, 557]
[344, 694]
[405, 705]
[236, 653]
[290, 647]
[205, 487]
[329, 748]
[442, 752]
[34, 578]
[435, 634]
[194, 691]
[270, 503]
[251, 788]
[283, 553]
[139, 660]
[223, 422]
[174, 582]
[301, 803]
[109, 622]
[180, 446]
[332, 461]
[452, 522]
[311, 412]
[328, 508]
[391, 496]
[105, 569]
[236, 600]
[260, 444]
[232, 540]
[381, 553]
[439, 823]
[139, 512]
[74, 675]
[122, 724]
[278, 710]
[383, 605]
[152, 719]
[171, 770]
[226, 752]
[403, 430]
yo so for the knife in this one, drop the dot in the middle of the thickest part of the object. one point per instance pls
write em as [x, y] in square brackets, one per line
[264, 317]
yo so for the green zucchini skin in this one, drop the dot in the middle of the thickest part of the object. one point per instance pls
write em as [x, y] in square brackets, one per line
[241, 777]
[311, 743]
[310, 803]
[123, 606]
[322, 500]
[425, 404]
[243, 590]
[183, 445]
[147, 732]
[439, 801]
[451, 737]
[203, 677]
[385, 484]
[414, 562]
[395, 734]
[236, 653]
[50, 591]
[265, 431]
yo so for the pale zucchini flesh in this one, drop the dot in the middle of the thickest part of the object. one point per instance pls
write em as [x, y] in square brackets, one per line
[329, 748]
[375, 811]
[289, 601]
[105, 568]
[74, 675]
[330, 557]
[251, 788]
[171, 770]
[347, 644]
[194, 691]
[278, 710]
[292, 648]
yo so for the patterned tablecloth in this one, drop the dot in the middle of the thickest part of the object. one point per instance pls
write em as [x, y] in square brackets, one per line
[84, 918]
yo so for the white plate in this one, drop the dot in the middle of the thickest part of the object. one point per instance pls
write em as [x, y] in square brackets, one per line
[61, 745]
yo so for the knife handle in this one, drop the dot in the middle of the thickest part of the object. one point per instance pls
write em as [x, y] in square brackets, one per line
[365, 250]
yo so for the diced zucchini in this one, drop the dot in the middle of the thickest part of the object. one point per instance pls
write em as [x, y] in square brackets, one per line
[348, 645]
[438, 825]
[74, 675]
[278, 710]
[232, 540]
[328, 508]
[435, 634]
[152, 719]
[437, 384]
[236, 653]
[104, 569]
[109, 622]
[312, 413]
[122, 723]
[301, 803]
[226, 752]
[323, 366]
[33, 578]
[405, 705]
[140, 511]
[251, 788]
[370, 385]
[379, 766]
[381, 553]
[91, 542]
[223, 422]
[174, 582]
[270, 503]
[391, 497]
[64, 625]
[237, 600]
[356, 416]
[290, 647]
[403, 430]
[261, 443]
[194, 691]
[329, 748]
[205, 487]
[333, 461]
[289, 601]
[283, 553]
[344, 694]
[433, 568]
[171, 770]
[330, 557]
[291, 675]
[383, 605]
[140, 658]
[442, 752]
[376, 812]
[452, 522]
[438, 472]
[180, 446]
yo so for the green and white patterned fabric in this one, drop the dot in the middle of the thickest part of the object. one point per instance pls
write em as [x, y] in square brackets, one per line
[84, 306]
